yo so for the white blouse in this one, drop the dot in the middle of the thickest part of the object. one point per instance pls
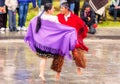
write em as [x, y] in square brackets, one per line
[49, 17]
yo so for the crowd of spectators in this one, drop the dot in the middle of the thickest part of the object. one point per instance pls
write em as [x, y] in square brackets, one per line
[20, 7]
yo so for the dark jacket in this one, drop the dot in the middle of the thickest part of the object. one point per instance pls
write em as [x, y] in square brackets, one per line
[2, 3]
[77, 0]
[70, 1]
[91, 14]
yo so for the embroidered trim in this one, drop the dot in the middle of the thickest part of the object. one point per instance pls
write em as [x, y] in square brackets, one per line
[48, 49]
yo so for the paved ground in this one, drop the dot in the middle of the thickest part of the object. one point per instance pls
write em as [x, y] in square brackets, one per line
[102, 33]
[19, 65]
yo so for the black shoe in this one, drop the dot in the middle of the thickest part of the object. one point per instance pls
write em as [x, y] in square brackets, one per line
[10, 30]
[16, 30]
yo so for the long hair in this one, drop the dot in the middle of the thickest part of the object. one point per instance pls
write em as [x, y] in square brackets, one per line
[47, 6]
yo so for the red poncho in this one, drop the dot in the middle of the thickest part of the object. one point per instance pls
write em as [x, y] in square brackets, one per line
[79, 25]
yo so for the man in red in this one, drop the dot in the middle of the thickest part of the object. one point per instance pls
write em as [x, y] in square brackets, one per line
[68, 18]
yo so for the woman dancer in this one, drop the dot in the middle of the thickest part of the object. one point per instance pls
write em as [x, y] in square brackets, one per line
[50, 39]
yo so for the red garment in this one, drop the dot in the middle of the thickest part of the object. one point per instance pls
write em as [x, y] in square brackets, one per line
[79, 25]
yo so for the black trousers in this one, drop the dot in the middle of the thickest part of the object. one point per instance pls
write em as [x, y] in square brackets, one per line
[77, 7]
[3, 20]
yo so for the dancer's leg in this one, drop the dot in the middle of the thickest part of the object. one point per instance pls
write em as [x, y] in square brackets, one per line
[80, 59]
[42, 68]
[57, 65]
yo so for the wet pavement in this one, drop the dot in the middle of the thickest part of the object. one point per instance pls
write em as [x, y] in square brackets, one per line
[19, 65]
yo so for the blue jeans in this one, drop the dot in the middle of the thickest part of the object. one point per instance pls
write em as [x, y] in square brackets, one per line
[23, 9]
[114, 12]
[72, 6]
[39, 3]
[12, 20]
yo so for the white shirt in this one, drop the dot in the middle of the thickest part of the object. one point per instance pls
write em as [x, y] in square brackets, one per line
[11, 4]
[66, 17]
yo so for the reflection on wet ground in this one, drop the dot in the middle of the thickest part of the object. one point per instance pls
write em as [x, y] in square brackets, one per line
[19, 65]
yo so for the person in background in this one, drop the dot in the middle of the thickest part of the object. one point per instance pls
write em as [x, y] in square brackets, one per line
[101, 18]
[23, 10]
[98, 18]
[12, 5]
[86, 2]
[77, 7]
[115, 9]
[3, 15]
[71, 4]
[43, 2]
[39, 5]
[49, 1]
[61, 1]
[88, 16]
